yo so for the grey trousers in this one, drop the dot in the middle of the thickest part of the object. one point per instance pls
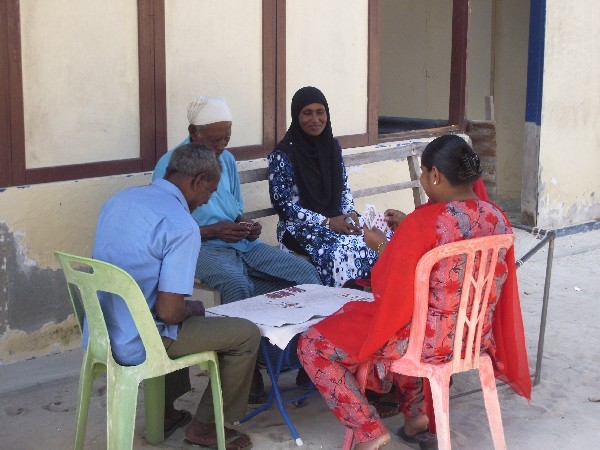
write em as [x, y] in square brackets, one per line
[238, 275]
[236, 342]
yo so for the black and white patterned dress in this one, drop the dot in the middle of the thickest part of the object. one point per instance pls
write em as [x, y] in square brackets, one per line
[338, 257]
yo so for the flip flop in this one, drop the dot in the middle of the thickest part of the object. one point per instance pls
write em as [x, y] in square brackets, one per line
[184, 419]
[228, 440]
[258, 399]
[425, 439]
[387, 408]
[303, 380]
[386, 404]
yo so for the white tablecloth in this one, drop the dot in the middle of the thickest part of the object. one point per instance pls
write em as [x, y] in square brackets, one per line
[281, 315]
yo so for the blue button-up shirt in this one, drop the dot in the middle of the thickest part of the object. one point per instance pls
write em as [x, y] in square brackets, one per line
[149, 232]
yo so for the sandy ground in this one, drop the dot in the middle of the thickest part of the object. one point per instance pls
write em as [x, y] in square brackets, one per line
[37, 397]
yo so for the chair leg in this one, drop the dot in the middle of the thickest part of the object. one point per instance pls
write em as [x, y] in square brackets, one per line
[492, 405]
[440, 392]
[217, 395]
[121, 402]
[348, 439]
[84, 391]
[154, 409]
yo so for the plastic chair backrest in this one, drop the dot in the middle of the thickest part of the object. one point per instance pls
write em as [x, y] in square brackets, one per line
[91, 277]
[477, 283]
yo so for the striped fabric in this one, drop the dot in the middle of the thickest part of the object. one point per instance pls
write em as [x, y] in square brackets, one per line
[263, 269]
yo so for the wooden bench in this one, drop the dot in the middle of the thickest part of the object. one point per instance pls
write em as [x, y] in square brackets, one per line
[254, 174]
[390, 152]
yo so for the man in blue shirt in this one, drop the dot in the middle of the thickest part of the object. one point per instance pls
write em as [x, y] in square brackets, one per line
[232, 259]
[149, 232]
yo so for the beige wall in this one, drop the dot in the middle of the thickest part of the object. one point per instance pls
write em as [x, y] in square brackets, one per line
[415, 70]
[416, 38]
[34, 222]
[80, 85]
[59, 216]
[327, 47]
[570, 129]
[220, 58]
[511, 42]
[35, 312]
[415, 58]
[481, 53]
[72, 84]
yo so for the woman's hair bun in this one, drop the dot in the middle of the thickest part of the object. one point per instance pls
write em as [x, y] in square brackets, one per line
[454, 157]
[470, 166]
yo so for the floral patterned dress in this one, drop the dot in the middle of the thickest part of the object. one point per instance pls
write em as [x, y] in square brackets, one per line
[338, 257]
[331, 350]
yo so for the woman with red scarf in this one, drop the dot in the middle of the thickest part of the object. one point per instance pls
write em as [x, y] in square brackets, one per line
[378, 331]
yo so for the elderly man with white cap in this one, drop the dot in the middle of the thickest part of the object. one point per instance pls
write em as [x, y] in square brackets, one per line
[231, 258]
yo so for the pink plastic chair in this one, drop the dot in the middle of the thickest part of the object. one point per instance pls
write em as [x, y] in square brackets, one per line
[475, 285]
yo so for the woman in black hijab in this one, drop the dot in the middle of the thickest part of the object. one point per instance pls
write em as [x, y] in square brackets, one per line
[309, 190]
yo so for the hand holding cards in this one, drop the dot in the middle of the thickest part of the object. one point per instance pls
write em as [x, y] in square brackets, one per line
[375, 219]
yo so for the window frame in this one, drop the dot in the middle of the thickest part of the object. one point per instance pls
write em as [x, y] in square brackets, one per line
[457, 103]
[152, 87]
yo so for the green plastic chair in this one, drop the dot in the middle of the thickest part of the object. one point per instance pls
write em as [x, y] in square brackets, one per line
[85, 278]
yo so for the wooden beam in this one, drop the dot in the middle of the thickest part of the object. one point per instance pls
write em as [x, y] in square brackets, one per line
[80, 171]
[160, 84]
[374, 65]
[418, 134]
[281, 100]
[269, 66]
[405, 151]
[458, 65]
[147, 86]
[5, 142]
[16, 127]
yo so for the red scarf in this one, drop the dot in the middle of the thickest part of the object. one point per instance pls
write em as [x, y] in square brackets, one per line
[480, 190]
[361, 328]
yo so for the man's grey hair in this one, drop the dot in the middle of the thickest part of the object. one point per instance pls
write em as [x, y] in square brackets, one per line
[194, 159]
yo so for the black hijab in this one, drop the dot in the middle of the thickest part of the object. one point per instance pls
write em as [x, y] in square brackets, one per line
[317, 160]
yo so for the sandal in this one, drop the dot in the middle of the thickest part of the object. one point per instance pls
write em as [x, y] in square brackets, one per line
[302, 379]
[258, 399]
[228, 440]
[387, 408]
[385, 404]
[185, 417]
[257, 396]
[425, 439]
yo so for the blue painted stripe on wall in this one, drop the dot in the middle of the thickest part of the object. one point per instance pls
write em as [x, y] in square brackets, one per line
[535, 62]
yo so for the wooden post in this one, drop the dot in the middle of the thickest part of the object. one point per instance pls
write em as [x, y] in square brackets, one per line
[461, 10]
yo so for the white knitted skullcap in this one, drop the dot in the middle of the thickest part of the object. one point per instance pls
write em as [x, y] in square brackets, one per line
[204, 110]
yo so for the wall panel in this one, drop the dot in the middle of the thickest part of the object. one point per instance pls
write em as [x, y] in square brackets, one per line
[80, 81]
[220, 58]
[327, 47]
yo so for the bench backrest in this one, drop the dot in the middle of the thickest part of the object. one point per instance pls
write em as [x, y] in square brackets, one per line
[409, 151]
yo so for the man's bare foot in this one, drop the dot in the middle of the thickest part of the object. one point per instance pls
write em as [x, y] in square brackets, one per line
[205, 434]
[380, 442]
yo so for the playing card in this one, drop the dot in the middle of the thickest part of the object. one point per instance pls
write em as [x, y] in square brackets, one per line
[373, 218]
[369, 216]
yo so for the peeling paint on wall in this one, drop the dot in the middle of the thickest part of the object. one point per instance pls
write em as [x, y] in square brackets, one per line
[34, 302]
[30, 296]
[17, 345]
[554, 213]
